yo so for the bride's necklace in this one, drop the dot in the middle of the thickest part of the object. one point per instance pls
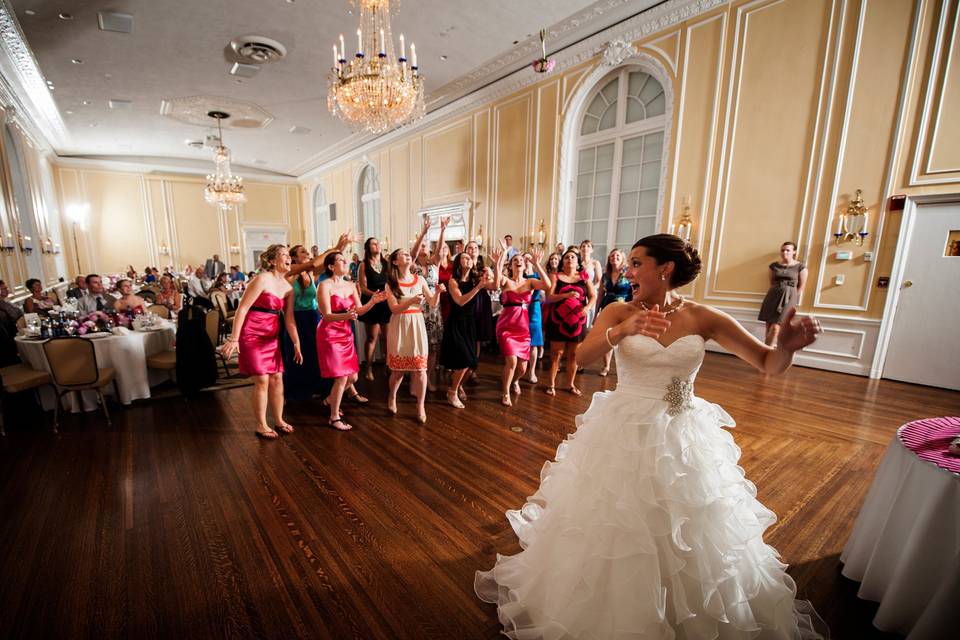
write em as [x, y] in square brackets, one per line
[666, 312]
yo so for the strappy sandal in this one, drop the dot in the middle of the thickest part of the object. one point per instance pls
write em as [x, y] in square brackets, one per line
[359, 399]
[551, 391]
[339, 425]
[326, 403]
[575, 391]
[267, 435]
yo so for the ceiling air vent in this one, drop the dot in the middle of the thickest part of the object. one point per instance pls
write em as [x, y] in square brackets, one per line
[258, 49]
[115, 21]
[243, 70]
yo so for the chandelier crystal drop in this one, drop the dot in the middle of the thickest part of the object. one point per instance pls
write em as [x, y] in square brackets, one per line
[223, 189]
[376, 90]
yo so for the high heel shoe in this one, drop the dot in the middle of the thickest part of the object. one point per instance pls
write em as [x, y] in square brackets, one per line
[455, 401]
[392, 407]
[422, 417]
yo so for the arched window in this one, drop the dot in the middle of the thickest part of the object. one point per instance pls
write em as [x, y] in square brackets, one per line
[368, 213]
[321, 218]
[619, 161]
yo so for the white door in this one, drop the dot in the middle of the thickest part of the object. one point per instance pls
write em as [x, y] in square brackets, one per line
[925, 339]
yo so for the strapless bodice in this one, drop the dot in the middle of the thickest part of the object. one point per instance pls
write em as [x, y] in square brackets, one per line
[646, 368]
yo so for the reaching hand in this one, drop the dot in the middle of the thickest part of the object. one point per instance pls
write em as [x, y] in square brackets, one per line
[441, 288]
[651, 323]
[797, 332]
[229, 348]
[297, 356]
[426, 224]
[444, 222]
[496, 255]
[537, 254]
[379, 296]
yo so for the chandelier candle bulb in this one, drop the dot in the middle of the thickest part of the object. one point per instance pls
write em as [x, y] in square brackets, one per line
[343, 49]
[336, 58]
[359, 43]
[413, 55]
[383, 46]
[403, 49]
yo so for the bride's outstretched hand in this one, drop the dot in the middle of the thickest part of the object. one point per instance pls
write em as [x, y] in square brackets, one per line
[652, 322]
[797, 332]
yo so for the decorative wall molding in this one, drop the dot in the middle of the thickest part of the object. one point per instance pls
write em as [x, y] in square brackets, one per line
[197, 173]
[847, 344]
[655, 19]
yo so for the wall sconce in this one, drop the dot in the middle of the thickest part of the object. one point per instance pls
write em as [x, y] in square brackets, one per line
[852, 223]
[164, 249]
[26, 243]
[235, 249]
[684, 228]
[479, 237]
[56, 249]
[46, 246]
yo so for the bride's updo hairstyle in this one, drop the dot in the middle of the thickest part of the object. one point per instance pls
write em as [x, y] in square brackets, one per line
[664, 247]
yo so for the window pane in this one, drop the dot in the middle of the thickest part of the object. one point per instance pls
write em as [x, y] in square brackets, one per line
[585, 185]
[601, 207]
[583, 209]
[630, 178]
[633, 150]
[651, 175]
[602, 184]
[605, 156]
[589, 124]
[586, 160]
[626, 231]
[648, 203]
[635, 111]
[650, 90]
[580, 231]
[598, 234]
[597, 106]
[636, 81]
[609, 118]
[628, 204]
[646, 227]
[610, 91]
[657, 106]
[652, 147]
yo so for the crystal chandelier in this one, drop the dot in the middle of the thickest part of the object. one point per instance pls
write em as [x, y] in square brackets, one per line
[223, 188]
[376, 90]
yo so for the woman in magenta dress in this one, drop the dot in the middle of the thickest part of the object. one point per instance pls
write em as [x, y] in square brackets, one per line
[339, 305]
[257, 322]
[513, 326]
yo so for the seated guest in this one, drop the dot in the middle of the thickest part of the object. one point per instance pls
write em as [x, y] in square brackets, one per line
[236, 275]
[149, 276]
[220, 284]
[169, 296]
[128, 301]
[38, 301]
[9, 312]
[197, 285]
[251, 275]
[78, 289]
[131, 272]
[95, 299]
[8, 328]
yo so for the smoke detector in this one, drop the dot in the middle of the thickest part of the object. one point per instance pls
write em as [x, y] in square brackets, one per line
[194, 144]
[258, 49]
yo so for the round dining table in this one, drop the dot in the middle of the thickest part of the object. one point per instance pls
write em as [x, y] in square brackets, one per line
[905, 546]
[123, 350]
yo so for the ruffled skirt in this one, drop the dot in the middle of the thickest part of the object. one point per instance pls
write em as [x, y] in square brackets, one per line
[645, 527]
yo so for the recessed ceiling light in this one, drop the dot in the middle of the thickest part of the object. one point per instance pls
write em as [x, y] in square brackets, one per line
[51, 87]
[443, 57]
[86, 102]
[68, 112]
[92, 125]
[107, 76]
[30, 12]
[77, 61]
[65, 16]
[117, 104]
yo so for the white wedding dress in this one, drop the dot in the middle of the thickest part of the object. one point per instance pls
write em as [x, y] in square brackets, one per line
[645, 527]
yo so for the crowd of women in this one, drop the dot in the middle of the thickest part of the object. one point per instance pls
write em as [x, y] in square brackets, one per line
[295, 330]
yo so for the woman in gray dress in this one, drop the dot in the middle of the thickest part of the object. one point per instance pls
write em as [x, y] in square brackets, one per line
[787, 279]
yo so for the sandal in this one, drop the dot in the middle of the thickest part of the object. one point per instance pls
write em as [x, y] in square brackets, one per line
[359, 399]
[575, 391]
[340, 425]
[286, 428]
[326, 403]
[267, 435]
[455, 401]
[551, 391]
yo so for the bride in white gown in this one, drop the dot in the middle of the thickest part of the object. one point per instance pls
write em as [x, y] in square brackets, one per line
[645, 527]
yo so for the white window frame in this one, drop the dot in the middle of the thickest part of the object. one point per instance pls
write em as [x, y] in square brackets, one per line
[321, 218]
[366, 199]
[617, 134]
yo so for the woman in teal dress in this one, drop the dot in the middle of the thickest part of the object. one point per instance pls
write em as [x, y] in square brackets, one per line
[303, 381]
[614, 287]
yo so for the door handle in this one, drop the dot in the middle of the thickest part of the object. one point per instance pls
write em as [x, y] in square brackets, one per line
[907, 284]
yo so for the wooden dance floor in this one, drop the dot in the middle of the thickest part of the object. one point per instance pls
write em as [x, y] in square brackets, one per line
[177, 523]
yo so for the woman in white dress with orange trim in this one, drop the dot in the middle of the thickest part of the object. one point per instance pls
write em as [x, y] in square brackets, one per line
[408, 346]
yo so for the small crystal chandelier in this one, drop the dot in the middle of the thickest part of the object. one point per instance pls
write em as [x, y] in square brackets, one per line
[223, 188]
[375, 92]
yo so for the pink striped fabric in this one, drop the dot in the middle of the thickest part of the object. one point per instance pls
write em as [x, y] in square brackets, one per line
[929, 439]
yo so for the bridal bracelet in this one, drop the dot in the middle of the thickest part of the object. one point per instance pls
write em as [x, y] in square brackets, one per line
[607, 336]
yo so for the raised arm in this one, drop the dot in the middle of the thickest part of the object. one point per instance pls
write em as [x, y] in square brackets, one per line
[433, 299]
[463, 298]
[418, 243]
[443, 230]
[796, 332]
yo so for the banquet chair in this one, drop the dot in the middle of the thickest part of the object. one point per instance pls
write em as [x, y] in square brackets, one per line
[21, 323]
[212, 324]
[163, 360]
[17, 378]
[219, 301]
[160, 310]
[73, 365]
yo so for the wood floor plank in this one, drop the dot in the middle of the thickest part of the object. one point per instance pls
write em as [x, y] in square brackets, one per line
[177, 522]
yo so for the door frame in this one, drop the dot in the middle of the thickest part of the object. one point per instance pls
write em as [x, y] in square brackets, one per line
[907, 221]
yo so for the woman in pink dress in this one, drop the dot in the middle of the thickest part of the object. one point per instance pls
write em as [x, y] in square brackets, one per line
[339, 304]
[256, 331]
[513, 326]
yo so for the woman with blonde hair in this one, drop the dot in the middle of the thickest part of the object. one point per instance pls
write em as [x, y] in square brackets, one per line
[256, 333]
[169, 296]
[615, 287]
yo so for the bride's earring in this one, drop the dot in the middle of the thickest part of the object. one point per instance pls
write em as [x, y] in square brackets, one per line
[663, 277]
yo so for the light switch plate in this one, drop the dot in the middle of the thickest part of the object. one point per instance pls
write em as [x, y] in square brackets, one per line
[838, 279]
[868, 256]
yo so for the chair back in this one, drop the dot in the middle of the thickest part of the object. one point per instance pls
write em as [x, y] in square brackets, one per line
[160, 310]
[60, 292]
[212, 324]
[219, 300]
[72, 361]
[21, 322]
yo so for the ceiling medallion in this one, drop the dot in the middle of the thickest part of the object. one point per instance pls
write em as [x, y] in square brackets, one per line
[223, 188]
[375, 92]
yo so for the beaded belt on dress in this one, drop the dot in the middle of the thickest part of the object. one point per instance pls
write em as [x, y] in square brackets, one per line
[678, 394]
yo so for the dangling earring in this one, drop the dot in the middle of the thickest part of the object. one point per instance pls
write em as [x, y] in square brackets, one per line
[662, 277]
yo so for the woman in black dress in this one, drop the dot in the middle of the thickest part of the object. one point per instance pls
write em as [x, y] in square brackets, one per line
[788, 276]
[458, 351]
[373, 278]
[570, 297]
[486, 325]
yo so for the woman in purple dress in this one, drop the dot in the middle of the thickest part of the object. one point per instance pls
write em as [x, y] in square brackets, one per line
[256, 332]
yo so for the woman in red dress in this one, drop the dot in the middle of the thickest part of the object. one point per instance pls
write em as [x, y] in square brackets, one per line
[258, 323]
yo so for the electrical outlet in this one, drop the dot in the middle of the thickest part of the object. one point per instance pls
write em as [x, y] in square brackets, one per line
[838, 279]
[868, 256]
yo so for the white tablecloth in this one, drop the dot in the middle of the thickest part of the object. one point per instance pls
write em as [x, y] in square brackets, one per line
[125, 353]
[905, 547]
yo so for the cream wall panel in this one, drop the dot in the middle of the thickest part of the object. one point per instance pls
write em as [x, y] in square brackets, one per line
[398, 157]
[512, 122]
[774, 107]
[118, 219]
[448, 163]
[196, 224]
[266, 204]
[157, 208]
[416, 174]
[295, 211]
[668, 48]
[945, 133]
[880, 46]
[546, 160]
[482, 164]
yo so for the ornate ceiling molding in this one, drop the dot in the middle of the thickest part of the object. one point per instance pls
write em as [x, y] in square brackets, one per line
[640, 26]
[23, 85]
